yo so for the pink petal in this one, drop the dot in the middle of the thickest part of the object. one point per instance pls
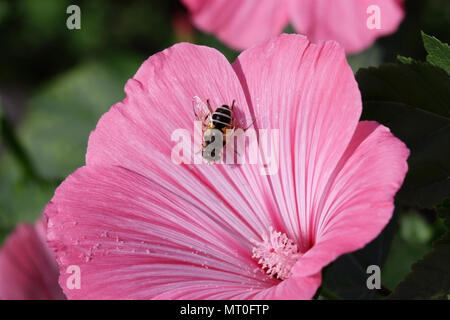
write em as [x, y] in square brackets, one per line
[238, 23]
[136, 134]
[344, 21]
[151, 243]
[317, 106]
[360, 196]
[309, 92]
[28, 269]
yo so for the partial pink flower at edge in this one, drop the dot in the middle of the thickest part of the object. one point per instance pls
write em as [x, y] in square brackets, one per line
[141, 227]
[28, 268]
[242, 24]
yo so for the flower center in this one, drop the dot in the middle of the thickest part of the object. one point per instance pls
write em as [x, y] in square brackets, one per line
[276, 254]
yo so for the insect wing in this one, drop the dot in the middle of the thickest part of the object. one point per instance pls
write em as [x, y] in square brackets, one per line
[201, 110]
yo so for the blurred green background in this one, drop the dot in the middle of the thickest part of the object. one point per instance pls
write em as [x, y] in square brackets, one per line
[55, 83]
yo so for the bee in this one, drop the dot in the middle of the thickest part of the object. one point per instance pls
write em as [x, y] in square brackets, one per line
[222, 119]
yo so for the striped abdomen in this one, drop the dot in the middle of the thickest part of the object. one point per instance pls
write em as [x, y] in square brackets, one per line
[222, 118]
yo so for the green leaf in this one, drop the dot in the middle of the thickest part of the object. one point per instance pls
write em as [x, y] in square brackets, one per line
[417, 84]
[405, 60]
[413, 100]
[438, 52]
[430, 276]
[61, 116]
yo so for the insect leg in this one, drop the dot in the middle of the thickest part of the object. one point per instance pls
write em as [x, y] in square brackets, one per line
[250, 125]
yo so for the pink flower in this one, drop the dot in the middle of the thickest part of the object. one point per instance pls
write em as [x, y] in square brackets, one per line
[142, 227]
[242, 24]
[28, 269]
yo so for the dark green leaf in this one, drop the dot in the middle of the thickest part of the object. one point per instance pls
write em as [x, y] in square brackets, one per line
[426, 134]
[413, 100]
[416, 84]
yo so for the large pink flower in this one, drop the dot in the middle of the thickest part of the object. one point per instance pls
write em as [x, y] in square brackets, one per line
[28, 269]
[140, 226]
[243, 23]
